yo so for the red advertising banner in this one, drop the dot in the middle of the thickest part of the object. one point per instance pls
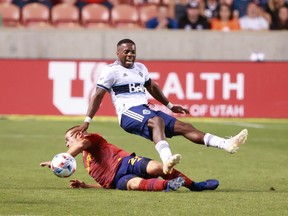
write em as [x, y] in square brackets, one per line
[207, 89]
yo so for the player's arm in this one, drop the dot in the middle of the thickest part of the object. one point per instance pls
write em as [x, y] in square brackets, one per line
[74, 183]
[78, 145]
[95, 102]
[157, 93]
[93, 107]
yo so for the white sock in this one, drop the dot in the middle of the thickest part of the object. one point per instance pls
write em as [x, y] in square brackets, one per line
[214, 141]
[164, 150]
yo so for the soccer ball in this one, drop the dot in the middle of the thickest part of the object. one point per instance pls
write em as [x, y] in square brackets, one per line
[63, 165]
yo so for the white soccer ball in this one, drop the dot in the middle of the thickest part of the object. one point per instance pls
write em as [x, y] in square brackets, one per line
[63, 165]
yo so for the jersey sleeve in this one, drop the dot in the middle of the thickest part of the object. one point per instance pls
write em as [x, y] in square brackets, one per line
[106, 79]
[145, 72]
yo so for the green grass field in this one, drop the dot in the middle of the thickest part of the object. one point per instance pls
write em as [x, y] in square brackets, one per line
[252, 182]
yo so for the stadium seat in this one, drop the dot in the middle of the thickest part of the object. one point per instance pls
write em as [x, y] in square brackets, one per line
[128, 26]
[147, 12]
[129, 2]
[148, 2]
[125, 16]
[95, 16]
[65, 16]
[10, 14]
[6, 1]
[36, 15]
[73, 2]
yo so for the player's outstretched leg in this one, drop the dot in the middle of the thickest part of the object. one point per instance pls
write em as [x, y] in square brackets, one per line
[233, 144]
[170, 163]
[191, 133]
[210, 184]
[174, 184]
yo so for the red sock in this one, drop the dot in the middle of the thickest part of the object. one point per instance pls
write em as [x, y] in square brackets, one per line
[153, 184]
[175, 173]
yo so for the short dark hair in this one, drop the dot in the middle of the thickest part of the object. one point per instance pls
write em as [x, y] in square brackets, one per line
[123, 41]
[72, 128]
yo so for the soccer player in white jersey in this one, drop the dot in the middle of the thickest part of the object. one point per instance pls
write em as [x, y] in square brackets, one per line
[127, 81]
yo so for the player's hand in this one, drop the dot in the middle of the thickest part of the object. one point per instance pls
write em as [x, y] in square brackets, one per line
[80, 130]
[179, 109]
[83, 128]
[47, 163]
[74, 183]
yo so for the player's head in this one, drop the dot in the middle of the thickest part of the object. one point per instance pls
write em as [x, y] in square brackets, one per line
[126, 52]
[68, 134]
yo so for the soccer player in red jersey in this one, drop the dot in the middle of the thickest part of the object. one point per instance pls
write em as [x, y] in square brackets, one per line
[114, 168]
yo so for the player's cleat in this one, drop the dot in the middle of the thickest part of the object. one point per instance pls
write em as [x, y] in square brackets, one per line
[171, 162]
[234, 143]
[174, 184]
[210, 184]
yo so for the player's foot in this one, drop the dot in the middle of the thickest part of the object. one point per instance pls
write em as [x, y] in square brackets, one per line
[174, 184]
[210, 184]
[234, 143]
[170, 163]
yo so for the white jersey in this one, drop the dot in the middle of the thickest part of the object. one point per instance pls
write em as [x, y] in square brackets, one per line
[125, 85]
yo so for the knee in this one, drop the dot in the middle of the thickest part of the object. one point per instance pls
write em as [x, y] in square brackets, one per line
[133, 184]
[156, 121]
[183, 128]
[154, 168]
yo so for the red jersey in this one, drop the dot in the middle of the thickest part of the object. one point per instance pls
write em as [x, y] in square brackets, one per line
[102, 159]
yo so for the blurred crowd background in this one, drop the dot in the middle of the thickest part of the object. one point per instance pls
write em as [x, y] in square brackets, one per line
[218, 15]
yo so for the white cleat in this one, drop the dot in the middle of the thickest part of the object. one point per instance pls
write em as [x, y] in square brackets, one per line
[171, 162]
[234, 143]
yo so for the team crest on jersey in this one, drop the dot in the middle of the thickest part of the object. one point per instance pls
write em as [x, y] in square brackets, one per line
[141, 74]
[146, 112]
[125, 75]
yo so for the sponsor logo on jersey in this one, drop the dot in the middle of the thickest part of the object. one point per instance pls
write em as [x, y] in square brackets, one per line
[136, 87]
[129, 88]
